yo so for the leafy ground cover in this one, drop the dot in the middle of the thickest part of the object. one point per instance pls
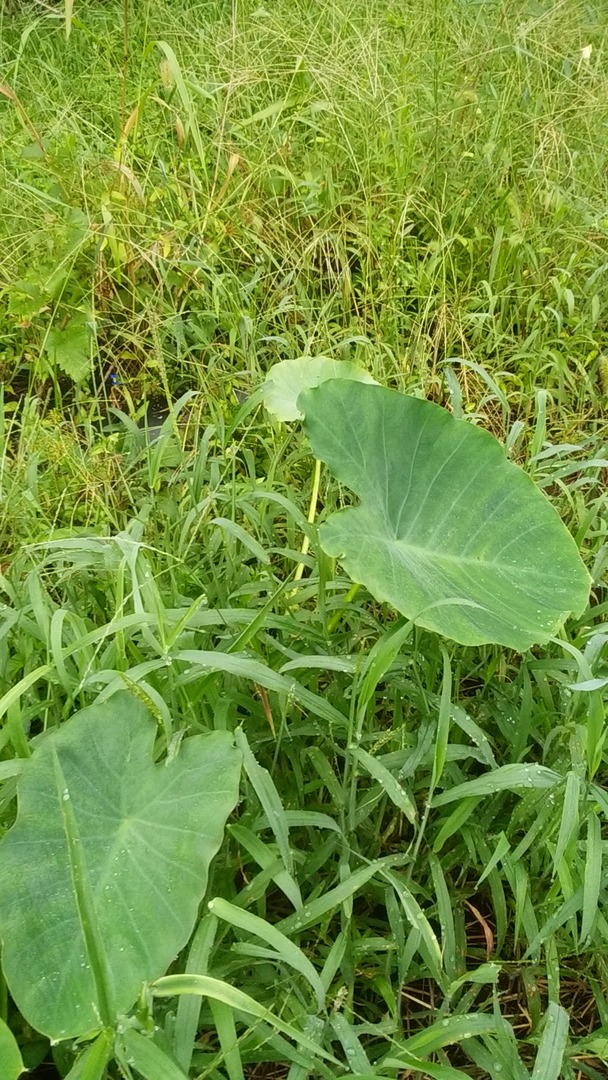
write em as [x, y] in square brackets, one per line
[412, 881]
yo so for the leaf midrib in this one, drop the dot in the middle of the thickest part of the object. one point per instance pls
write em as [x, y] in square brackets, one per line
[83, 897]
[427, 553]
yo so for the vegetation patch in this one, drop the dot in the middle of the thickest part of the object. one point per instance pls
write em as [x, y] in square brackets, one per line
[303, 540]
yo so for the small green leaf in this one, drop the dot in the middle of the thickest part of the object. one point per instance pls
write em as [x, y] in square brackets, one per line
[26, 300]
[11, 1065]
[287, 379]
[69, 348]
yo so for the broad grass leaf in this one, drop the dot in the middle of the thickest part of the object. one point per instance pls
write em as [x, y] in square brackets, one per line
[223, 1018]
[186, 98]
[428, 943]
[351, 1044]
[11, 1065]
[430, 1070]
[287, 950]
[457, 1028]
[189, 1007]
[550, 1057]
[506, 778]
[287, 379]
[268, 860]
[498, 1054]
[569, 823]
[265, 789]
[313, 911]
[382, 654]
[593, 874]
[254, 670]
[218, 990]
[448, 531]
[103, 872]
[395, 791]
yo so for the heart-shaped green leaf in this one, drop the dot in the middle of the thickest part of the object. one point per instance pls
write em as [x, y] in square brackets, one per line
[287, 379]
[448, 531]
[103, 872]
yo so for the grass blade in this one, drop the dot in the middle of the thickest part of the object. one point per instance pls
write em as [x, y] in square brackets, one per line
[171, 985]
[593, 875]
[506, 778]
[148, 1058]
[550, 1057]
[290, 953]
[69, 13]
[396, 793]
[189, 1007]
[223, 1018]
[569, 820]
[265, 789]
[314, 911]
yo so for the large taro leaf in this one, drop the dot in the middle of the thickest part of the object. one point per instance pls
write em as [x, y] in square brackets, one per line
[448, 531]
[287, 379]
[103, 872]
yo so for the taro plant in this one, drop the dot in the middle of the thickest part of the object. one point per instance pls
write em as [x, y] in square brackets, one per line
[451, 533]
[448, 531]
[102, 874]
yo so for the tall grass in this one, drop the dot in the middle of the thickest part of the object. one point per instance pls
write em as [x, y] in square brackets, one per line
[300, 177]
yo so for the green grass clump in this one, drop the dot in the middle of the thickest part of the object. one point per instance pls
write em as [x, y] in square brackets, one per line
[421, 189]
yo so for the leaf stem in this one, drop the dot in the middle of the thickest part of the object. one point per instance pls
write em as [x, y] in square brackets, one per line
[337, 615]
[312, 511]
